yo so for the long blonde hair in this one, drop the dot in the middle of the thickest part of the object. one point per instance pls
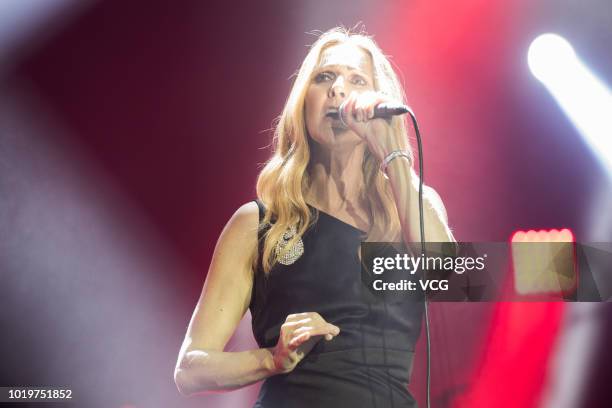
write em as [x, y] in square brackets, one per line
[284, 180]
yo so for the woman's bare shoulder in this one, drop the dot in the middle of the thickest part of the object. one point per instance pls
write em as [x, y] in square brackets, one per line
[246, 215]
[243, 224]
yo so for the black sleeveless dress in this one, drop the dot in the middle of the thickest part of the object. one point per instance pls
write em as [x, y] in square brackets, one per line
[369, 363]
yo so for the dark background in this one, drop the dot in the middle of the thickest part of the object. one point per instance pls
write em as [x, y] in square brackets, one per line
[131, 131]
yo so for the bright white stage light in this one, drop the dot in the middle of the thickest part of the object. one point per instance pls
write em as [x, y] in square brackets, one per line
[549, 55]
[584, 98]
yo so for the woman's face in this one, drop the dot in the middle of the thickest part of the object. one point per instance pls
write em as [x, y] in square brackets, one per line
[342, 69]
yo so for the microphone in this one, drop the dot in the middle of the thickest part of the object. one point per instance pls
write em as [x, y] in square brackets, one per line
[384, 110]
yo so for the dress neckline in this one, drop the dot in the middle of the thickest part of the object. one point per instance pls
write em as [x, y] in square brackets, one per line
[337, 219]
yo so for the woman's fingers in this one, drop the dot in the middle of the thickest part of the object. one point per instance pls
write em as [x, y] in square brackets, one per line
[321, 330]
[348, 111]
[365, 103]
[301, 327]
[297, 341]
[298, 316]
[359, 107]
[305, 333]
[332, 329]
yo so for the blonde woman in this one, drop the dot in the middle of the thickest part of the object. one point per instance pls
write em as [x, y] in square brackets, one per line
[291, 256]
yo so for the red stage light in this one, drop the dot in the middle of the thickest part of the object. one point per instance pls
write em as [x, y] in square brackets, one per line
[553, 235]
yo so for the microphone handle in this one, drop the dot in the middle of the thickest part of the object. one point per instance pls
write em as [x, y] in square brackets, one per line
[385, 110]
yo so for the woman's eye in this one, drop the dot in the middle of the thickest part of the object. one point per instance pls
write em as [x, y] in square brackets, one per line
[359, 81]
[324, 76]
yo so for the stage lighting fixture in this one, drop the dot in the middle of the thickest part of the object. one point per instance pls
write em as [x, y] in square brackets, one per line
[583, 97]
[544, 261]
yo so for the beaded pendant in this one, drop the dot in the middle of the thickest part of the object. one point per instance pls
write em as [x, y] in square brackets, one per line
[294, 253]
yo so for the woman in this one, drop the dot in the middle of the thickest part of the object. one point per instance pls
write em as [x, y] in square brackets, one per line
[292, 256]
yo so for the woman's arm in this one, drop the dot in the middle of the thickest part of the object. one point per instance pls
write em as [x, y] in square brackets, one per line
[202, 364]
[405, 187]
[382, 140]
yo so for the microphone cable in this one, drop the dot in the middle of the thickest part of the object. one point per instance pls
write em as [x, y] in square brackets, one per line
[422, 229]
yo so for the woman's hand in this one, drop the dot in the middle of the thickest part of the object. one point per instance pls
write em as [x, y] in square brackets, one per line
[358, 114]
[298, 335]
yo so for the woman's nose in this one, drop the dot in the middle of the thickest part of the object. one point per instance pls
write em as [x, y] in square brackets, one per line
[337, 88]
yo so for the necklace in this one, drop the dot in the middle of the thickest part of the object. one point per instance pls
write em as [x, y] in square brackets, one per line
[291, 255]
